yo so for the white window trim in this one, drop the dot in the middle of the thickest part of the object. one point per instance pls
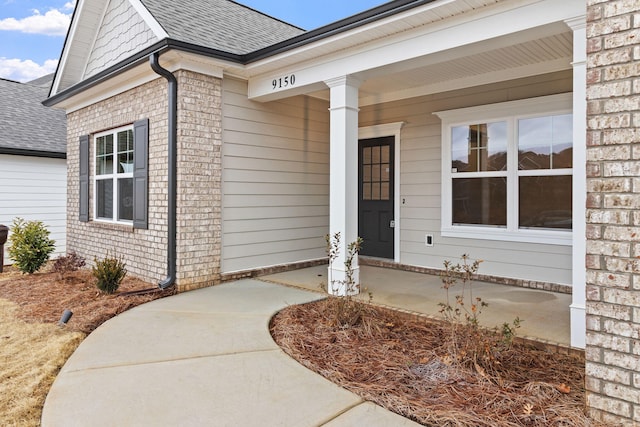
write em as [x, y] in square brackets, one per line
[112, 176]
[510, 112]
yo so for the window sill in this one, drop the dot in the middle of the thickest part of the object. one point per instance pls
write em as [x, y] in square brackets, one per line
[115, 226]
[546, 237]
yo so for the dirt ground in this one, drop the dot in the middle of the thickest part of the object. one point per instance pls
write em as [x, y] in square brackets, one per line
[34, 347]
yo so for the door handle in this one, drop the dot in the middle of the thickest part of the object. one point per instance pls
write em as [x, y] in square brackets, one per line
[392, 224]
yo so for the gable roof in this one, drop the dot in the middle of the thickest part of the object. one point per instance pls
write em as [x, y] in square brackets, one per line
[26, 126]
[219, 24]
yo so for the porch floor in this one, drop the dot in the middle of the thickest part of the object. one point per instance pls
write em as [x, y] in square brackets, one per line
[545, 314]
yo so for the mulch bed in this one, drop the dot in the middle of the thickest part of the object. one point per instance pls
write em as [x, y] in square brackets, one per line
[406, 366]
[43, 297]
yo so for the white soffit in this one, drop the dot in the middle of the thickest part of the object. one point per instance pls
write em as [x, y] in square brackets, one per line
[533, 31]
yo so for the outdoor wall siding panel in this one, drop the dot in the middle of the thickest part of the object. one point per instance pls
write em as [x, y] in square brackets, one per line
[420, 186]
[38, 195]
[275, 179]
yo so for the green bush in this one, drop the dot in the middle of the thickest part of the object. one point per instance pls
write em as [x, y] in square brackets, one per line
[109, 273]
[29, 245]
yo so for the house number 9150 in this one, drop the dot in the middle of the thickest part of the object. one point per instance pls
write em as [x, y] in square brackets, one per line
[283, 82]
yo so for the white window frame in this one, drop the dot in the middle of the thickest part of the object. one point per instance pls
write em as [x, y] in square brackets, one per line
[113, 176]
[509, 112]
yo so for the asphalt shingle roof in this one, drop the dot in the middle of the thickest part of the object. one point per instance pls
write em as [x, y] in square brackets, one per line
[219, 24]
[26, 124]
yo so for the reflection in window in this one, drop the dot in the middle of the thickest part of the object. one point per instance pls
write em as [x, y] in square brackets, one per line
[479, 147]
[545, 142]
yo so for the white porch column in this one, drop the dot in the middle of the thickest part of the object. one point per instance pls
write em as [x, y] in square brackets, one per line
[578, 318]
[343, 192]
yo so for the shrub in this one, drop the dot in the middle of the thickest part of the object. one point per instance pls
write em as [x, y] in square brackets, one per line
[109, 273]
[69, 263]
[29, 245]
[347, 311]
[468, 343]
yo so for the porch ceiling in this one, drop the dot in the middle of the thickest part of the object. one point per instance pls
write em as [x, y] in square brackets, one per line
[514, 57]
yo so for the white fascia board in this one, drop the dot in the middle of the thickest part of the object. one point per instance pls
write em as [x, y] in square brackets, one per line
[148, 18]
[498, 21]
[71, 35]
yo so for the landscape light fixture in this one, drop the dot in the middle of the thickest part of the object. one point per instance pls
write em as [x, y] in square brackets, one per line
[66, 315]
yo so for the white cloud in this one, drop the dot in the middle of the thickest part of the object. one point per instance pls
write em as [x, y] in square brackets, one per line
[23, 71]
[52, 23]
[69, 5]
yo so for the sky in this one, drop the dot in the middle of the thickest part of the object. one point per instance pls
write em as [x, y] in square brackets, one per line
[32, 32]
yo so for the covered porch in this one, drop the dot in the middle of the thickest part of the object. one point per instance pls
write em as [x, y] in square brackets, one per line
[396, 87]
[545, 314]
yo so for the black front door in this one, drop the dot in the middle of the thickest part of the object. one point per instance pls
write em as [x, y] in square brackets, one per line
[375, 196]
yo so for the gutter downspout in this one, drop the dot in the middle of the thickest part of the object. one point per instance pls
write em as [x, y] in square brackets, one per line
[172, 168]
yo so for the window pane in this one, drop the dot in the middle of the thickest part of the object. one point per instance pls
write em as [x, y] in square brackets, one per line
[478, 148]
[375, 187]
[545, 142]
[545, 202]
[125, 151]
[480, 201]
[125, 199]
[104, 199]
[104, 155]
[375, 154]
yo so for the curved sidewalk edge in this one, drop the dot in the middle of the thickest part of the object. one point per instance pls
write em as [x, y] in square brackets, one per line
[201, 358]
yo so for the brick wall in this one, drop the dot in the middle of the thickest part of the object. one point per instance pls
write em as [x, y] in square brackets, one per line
[198, 216]
[613, 219]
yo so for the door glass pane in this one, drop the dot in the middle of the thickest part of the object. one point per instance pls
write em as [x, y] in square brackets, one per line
[375, 191]
[366, 191]
[545, 142]
[384, 172]
[478, 148]
[366, 156]
[479, 201]
[384, 155]
[104, 199]
[375, 154]
[384, 191]
[545, 202]
[125, 199]
[375, 173]
[366, 173]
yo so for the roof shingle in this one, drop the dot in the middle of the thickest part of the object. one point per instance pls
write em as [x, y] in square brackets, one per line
[26, 124]
[219, 24]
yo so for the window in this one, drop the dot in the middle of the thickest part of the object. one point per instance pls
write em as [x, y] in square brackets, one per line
[113, 188]
[121, 176]
[507, 171]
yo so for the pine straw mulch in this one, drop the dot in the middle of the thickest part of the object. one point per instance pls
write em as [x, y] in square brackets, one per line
[404, 365]
[43, 297]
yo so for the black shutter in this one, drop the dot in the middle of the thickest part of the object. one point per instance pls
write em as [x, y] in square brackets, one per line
[84, 179]
[140, 173]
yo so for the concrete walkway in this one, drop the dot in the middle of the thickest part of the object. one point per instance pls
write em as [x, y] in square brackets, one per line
[202, 358]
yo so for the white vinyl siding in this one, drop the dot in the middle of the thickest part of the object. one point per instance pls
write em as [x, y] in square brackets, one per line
[275, 180]
[34, 188]
[420, 184]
